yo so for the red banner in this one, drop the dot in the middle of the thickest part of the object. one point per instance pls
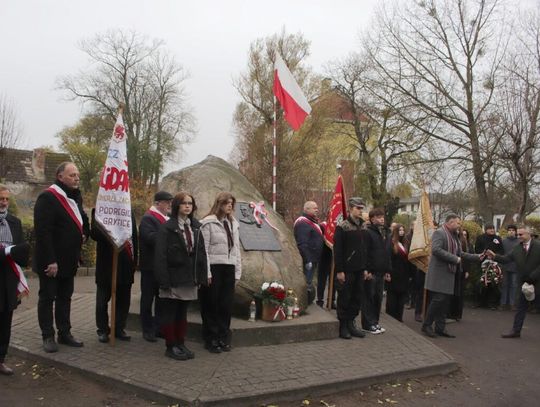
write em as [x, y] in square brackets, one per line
[337, 212]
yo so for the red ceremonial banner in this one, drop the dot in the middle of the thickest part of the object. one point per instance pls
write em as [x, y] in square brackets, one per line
[337, 212]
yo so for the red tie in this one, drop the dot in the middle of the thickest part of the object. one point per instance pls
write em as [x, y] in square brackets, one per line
[189, 242]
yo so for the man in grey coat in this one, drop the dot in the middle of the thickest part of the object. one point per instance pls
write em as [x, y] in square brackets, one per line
[445, 262]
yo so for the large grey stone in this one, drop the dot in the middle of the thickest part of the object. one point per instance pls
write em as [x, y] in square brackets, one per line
[204, 181]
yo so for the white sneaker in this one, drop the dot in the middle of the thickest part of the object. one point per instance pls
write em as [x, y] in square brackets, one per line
[374, 330]
[380, 328]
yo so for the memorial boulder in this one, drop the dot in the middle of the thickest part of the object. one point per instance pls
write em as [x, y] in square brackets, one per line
[269, 251]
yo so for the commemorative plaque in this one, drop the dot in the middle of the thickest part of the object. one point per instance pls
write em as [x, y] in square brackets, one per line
[255, 236]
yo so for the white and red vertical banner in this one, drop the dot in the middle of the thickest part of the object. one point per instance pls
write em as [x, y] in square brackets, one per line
[293, 101]
[113, 204]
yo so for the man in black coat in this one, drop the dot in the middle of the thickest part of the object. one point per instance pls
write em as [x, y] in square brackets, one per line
[127, 263]
[310, 241]
[148, 229]
[61, 227]
[378, 247]
[489, 295]
[526, 256]
[349, 259]
[13, 250]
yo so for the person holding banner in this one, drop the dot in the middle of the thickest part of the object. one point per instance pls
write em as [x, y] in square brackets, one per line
[127, 262]
[13, 254]
[349, 258]
[61, 227]
[310, 241]
[222, 242]
[180, 268]
[148, 229]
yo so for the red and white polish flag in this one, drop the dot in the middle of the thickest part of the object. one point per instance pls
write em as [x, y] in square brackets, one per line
[113, 204]
[290, 96]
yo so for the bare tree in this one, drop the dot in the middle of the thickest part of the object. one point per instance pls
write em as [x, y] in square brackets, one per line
[516, 118]
[10, 129]
[372, 117]
[443, 56]
[131, 68]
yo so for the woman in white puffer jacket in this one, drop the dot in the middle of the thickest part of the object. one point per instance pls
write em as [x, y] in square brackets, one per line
[221, 237]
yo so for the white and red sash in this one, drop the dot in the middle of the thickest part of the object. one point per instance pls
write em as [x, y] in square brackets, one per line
[260, 214]
[22, 286]
[68, 204]
[309, 222]
[157, 214]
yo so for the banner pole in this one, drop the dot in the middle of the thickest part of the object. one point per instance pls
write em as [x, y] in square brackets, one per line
[329, 297]
[274, 159]
[113, 295]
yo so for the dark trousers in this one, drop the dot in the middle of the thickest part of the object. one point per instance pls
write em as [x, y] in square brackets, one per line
[519, 318]
[57, 292]
[395, 303]
[323, 275]
[173, 319]
[5, 333]
[437, 310]
[149, 297]
[419, 280]
[123, 300]
[349, 299]
[373, 296]
[216, 304]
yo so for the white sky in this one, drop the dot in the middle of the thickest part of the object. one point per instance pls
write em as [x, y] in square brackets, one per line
[209, 38]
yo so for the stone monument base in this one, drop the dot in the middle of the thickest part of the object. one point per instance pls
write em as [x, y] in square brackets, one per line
[314, 325]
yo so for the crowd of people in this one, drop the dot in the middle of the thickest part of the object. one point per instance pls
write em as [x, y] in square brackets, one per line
[182, 259]
[371, 260]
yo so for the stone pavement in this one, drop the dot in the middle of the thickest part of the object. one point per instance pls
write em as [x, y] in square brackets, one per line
[248, 375]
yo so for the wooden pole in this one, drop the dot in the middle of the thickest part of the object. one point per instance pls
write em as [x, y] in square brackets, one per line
[329, 297]
[113, 294]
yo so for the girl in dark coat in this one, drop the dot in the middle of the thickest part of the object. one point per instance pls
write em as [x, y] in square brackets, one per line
[396, 288]
[180, 267]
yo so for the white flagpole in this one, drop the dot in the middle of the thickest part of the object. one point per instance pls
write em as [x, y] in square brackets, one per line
[274, 160]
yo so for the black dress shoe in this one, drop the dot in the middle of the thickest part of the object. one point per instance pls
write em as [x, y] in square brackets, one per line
[123, 336]
[69, 340]
[428, 331]
[511, 335]
[49, 345]
[149, 337]
[187, 351]
[445, 334]
[6, 371]
[225, 347]
[103, 337]
[353, 329]
[213, 347]
[344, 330]
[176, 353]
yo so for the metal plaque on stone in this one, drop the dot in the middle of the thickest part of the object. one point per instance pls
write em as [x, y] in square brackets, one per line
[254, 236]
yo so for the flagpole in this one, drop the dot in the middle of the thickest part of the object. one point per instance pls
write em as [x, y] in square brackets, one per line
[113, 295]
[274, 159]
[330, 294]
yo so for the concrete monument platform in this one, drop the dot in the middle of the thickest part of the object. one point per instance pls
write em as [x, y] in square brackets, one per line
[247, 376]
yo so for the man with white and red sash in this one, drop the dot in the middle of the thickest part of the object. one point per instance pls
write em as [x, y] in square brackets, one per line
[150, 224]
[13, 285]
[61, 227]
[310, 241]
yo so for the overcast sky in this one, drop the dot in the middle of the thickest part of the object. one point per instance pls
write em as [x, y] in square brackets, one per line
[38, 43]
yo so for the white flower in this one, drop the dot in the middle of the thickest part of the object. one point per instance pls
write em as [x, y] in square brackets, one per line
[281, 287]
[265, 286]
[274, 285]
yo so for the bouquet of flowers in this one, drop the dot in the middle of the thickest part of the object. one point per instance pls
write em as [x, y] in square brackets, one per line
[273, 293]
[491, 273]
